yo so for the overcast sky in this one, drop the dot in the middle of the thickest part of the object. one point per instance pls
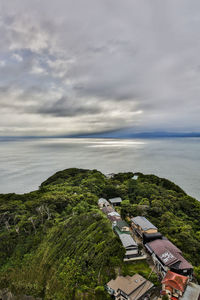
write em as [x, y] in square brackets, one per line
[96, 65]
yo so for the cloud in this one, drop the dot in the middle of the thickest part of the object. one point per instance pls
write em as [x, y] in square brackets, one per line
[99, 65]
[67, 108]
[17, 57]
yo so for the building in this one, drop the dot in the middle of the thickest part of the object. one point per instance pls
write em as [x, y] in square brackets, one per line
[174, 285]
[114, 213]
[120, 227]
[149, 237]
[114, 218]
[115, 201]
[142, 225]
[130, 287]
[192, 292]
[103, 203]
[130, 245]
[135, 177]
[167, 256]
[108, 209]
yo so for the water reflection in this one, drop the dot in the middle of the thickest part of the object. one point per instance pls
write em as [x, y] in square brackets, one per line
[25, 164]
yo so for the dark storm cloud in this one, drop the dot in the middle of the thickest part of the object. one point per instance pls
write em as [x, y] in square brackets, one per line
[114, 64]
[67, 108]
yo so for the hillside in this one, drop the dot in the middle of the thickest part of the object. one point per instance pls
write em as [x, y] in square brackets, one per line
[56, 244]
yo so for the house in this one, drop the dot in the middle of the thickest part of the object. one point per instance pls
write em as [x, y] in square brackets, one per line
[177, 287]
[166, 256]
[142, 225]
[103, 203]
[149, 237]
[135, 177]
[115, 201]
[114, 218]
[174, 285]
[113, 213]
[108, 209]
[192, 292]
[130, 245]
[130, 287]
[120, 227]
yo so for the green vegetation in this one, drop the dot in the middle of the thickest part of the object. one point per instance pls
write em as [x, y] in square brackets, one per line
[56, 244]
[139, 267]
[165, 297]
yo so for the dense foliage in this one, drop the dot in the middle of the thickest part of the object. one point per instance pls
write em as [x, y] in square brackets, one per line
[56, 244]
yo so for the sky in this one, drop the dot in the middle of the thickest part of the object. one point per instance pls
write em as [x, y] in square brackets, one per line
[69, 67]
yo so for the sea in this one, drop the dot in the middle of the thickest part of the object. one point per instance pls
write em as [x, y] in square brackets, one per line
[26, 163]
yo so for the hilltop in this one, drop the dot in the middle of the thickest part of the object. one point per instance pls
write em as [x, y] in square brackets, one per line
[55, 243]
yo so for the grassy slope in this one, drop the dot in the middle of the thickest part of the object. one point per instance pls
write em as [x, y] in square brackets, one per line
[55, 243]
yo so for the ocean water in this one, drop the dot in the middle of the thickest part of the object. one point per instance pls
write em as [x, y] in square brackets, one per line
[25, 163]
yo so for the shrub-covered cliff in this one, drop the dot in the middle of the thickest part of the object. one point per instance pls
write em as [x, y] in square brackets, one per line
[56, 244]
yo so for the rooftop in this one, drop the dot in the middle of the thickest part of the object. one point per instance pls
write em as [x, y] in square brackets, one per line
[107, 209]
[175, 281]
[127, 240]
[114, 213]
[135, 286]
[113, 218]
[192, 292]
[121, 224]
[102, 201]
[115, 200]
[169, 254]
[119, 232]
[143, 223]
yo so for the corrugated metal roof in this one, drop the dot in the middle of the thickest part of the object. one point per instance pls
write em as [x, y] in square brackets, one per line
[143, 223]
[127, 240]
[115, 200]
[192, 292]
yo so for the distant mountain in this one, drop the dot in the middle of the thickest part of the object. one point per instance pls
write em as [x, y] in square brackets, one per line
[127, 134]
[117, 134]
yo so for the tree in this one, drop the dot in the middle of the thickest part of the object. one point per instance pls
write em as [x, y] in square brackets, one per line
[165, 297]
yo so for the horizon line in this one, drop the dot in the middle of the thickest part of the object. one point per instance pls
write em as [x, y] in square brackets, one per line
[112, 134]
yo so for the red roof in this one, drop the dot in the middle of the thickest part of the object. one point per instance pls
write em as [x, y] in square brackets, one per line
[169, 288]
[176, 281]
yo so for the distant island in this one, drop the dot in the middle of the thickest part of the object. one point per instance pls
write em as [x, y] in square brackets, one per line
[58, 243]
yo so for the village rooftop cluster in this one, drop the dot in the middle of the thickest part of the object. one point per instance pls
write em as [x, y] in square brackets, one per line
[175, 271]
